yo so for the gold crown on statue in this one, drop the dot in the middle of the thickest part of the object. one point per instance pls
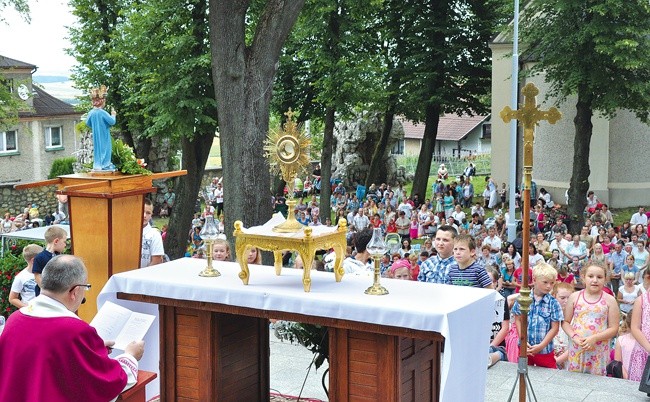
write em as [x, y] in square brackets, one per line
[98, 93]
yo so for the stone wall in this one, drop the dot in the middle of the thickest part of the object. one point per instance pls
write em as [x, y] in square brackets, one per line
[14, 201]
[355, 144]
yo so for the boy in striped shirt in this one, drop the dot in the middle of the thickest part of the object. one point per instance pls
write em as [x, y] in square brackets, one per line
[466, 271]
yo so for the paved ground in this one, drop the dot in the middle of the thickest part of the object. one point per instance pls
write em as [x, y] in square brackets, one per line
[290, 369]
[560, 386]
[289, 364]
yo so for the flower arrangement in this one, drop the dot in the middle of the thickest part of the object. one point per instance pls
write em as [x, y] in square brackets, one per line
[125, 161]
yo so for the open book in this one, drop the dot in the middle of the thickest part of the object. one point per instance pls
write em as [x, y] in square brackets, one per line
[119, 324]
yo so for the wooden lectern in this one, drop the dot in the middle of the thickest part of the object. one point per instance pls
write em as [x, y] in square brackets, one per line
[106, 212]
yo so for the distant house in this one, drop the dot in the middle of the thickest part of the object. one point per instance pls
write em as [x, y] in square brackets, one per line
[45, 130]
[457, 136]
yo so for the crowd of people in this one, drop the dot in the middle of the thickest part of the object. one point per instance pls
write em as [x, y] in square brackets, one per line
[591, 305]
[586, 286]
[32, 217]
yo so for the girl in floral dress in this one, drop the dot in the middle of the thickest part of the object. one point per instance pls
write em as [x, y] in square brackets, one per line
[591, 321]
[640, 329]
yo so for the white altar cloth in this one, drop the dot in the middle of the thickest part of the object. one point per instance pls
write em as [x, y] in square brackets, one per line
[462, 315]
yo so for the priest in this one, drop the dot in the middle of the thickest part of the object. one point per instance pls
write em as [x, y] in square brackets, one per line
[50, 354]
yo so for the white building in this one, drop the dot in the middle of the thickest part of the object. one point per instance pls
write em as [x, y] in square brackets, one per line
[45, 130]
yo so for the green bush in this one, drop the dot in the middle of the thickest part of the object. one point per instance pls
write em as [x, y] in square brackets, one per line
[10, 265]
[62, 166]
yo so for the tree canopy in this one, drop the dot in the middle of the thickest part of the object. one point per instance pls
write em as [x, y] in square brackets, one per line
[9, 104]
[22, 6]
[599, 53]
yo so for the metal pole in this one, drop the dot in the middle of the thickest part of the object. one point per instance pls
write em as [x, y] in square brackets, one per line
[512, 222]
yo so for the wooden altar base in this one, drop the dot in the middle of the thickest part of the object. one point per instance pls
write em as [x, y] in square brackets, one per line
[217, 352]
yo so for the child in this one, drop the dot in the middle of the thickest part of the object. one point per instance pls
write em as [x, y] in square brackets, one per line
[466, 271]
[544, 318]
[392, 226]
[563, 275]
[624, 345]
[561, 292]
[414, 227]
[591, 321]
[55, 237]
[254, 256]
[508, 276]
[519, 274]
[221, 250]
[400, 270]
[414, 260]
[574, 268]
[630, 267]
[627, 293]
[640, 329]
[499, 329]
[24, 284]
[502, 195]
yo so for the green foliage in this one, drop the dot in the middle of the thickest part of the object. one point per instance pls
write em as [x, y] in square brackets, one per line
[330, 59]
[313, 337]
[599, 50]
[125, 161]
[10, 104]
[21, 6]
[62, 166]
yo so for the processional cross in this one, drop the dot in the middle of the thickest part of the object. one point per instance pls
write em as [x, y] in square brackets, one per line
[529, 115]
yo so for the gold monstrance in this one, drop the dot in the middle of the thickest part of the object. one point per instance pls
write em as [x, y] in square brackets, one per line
[287, 150]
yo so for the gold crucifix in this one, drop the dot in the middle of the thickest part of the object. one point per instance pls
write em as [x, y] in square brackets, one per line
[529, 115]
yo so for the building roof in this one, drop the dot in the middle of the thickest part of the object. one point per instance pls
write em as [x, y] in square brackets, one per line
[47, 105]
[450, 128]
[6, 62]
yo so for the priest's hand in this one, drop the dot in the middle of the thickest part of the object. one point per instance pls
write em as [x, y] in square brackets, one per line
[135, 349]
[109, 346]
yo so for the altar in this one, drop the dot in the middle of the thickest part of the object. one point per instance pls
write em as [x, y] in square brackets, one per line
[213, 332]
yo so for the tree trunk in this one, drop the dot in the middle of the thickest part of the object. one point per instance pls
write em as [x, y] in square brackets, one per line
[579, 184]
[325, 210]
[195, 156]
[423, 168]
[243, 77]
[377, 170]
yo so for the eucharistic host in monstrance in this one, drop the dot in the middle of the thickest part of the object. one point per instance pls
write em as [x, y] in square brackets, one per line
[100, 122]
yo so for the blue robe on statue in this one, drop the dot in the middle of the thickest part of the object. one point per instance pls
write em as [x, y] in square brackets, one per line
[99, 122]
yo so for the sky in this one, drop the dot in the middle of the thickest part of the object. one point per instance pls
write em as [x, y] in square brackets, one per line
[41, 42]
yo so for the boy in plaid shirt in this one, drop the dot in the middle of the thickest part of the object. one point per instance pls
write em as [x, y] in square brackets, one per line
[544, 318]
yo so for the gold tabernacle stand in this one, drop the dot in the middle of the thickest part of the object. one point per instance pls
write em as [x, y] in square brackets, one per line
[306, 244]
[291, 225]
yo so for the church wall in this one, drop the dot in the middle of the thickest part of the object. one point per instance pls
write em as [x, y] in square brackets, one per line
[501, 82]
[629, 181]
[553, 147]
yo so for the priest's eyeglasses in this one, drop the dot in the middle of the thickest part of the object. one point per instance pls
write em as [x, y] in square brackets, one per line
[87, 286]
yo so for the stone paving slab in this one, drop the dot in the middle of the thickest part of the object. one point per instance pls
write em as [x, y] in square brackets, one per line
[289, 363]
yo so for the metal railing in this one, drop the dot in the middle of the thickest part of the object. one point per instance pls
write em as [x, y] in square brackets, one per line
[455, 165]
